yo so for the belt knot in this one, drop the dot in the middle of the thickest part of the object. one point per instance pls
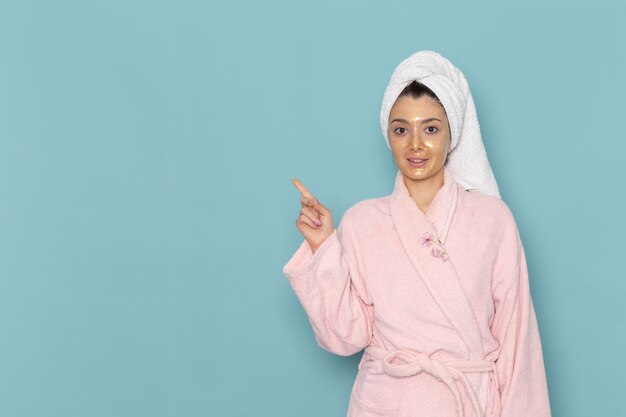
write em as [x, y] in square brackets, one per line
[400, 363]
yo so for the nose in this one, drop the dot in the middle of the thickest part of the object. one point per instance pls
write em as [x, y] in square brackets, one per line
[416, 142]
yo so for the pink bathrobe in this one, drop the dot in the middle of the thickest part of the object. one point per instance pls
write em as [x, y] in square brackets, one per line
[440, 301]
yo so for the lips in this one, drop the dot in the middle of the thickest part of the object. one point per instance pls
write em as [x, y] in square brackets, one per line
[417, 162]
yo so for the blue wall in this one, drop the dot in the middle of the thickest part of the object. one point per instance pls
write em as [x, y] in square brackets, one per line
[146, 209]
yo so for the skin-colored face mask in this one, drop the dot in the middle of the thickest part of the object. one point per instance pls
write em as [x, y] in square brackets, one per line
[419, 137]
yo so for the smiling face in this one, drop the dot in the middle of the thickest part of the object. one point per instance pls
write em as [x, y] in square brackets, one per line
[419, 137]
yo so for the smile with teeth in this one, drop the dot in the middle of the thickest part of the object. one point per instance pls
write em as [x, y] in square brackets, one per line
[417, 162]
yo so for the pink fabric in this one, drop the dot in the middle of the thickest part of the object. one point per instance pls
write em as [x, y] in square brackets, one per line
[440, 301]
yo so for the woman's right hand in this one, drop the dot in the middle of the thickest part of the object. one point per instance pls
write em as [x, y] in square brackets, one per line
[315, 221]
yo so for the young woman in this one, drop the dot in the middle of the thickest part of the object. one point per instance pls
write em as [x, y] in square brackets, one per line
[430, 280]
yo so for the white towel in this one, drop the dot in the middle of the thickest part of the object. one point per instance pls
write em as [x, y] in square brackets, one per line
[467, 161]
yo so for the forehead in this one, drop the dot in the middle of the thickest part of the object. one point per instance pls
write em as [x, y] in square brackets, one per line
[422, 107]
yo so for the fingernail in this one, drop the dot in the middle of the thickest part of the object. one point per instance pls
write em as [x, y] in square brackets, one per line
[317, 222]
[309, 201]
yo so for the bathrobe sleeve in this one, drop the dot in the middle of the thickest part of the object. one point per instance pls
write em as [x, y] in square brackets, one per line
[520, 366]
[329, 284]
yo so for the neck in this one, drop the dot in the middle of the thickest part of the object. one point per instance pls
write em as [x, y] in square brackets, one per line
[424, 191]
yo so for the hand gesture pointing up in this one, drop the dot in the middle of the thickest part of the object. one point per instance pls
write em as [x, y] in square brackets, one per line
[315, 221]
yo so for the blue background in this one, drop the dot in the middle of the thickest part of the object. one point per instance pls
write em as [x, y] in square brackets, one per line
[146, 209]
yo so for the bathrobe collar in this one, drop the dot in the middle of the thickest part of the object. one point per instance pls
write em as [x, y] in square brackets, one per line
[423, 236]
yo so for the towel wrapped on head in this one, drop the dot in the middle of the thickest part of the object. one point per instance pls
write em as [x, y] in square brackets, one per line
[467, 160]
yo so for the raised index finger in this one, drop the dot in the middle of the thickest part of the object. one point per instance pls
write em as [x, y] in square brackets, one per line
[301, 188]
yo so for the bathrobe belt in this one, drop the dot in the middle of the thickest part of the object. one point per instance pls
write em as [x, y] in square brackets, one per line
[400, 363]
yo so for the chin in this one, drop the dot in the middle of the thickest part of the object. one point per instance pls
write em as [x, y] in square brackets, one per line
[419, 174]
[420, 177]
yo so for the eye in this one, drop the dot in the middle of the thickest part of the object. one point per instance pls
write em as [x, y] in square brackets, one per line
[432, 131]
[399, 130]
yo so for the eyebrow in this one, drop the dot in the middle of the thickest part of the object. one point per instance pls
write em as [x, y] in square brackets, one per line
[423, 121]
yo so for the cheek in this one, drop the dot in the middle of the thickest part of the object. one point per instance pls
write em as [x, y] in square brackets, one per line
[396, 157]
[437, 146]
